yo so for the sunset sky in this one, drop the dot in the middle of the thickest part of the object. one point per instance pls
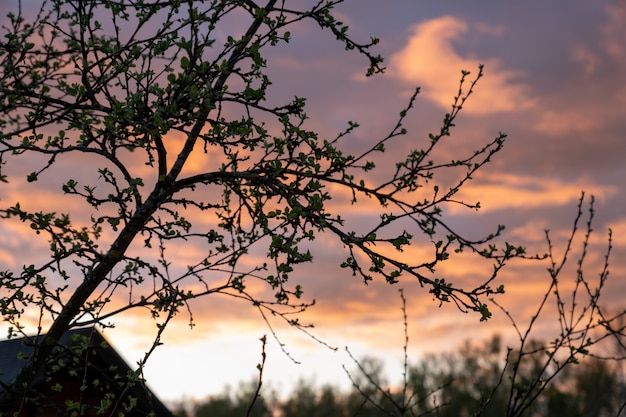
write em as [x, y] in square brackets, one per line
[555, 82]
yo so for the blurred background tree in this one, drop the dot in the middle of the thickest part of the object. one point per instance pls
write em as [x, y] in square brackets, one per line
[450, 384]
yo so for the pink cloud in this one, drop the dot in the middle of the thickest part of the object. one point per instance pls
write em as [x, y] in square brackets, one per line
[430, 60]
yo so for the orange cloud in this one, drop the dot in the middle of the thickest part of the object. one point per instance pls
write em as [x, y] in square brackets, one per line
[570, 121]
[515, 191]
[430, 60]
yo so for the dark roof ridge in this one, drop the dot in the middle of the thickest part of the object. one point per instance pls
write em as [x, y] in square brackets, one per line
[15, 352]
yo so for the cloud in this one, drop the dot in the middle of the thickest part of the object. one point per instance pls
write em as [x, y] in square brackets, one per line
[587, 59]
[506, 191]
[430, 60]
[614, 32]
[567, 121]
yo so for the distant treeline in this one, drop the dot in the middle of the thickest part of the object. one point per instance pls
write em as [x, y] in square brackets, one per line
[472, 381]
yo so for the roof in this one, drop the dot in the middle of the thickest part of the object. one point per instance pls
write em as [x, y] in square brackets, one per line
[99, 362]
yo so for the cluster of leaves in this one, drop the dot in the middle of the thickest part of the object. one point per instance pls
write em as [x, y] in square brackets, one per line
[116, 83]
